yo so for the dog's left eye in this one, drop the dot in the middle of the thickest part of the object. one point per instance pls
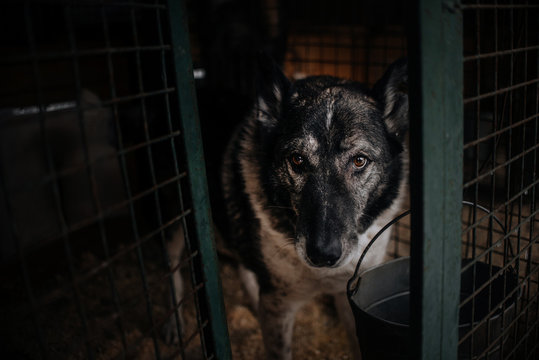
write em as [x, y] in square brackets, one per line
[360, 161]
[297, 159]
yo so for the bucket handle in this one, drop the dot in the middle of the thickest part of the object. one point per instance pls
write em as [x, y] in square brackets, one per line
[353, 284]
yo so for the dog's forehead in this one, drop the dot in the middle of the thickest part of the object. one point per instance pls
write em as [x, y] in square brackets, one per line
[317, 90]
[339, 116]
[316, 104]
[318, 142]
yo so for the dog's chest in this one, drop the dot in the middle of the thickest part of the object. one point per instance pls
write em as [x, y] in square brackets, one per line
[290, 272]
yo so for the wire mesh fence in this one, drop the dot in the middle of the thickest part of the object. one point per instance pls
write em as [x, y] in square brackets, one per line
[94, 188]
[501, 48]
[353, 40]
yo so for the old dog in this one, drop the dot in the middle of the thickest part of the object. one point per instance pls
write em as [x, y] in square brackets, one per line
[315, 170]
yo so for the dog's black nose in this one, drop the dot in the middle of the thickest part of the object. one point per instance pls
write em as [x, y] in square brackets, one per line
[323, 257]
[324, 262]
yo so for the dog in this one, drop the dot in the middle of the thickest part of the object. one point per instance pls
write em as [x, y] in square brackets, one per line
[309, 177]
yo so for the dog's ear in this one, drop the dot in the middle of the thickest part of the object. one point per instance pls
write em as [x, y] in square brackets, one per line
[272, 87]
[392, 92]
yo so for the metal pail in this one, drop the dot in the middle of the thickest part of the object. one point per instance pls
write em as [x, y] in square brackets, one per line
[380, 301]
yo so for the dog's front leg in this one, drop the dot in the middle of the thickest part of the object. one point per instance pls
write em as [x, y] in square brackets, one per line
[277, 314]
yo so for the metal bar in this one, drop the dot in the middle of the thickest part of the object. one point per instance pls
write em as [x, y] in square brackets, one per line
[125, 174]
[509, 151]
[140, 95]
[38, 83]
[476, 162]
[497, 6]
[218, 336]
[191, 255]
[499, 53]
[149, 153]
[508, 89]
[522, 162]
[508, 163]
[89, 168]
[490, 236]
[60, 55]
[112, 88]
[436, 137]
[501, 131]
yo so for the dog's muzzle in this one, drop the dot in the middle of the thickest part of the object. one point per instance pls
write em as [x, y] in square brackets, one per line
[324, 221]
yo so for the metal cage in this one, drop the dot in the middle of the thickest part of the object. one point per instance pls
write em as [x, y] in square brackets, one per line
[97, 173]
[101, 164]
[501, 99]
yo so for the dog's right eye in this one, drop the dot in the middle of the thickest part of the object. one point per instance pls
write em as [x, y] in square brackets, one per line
[297, 159]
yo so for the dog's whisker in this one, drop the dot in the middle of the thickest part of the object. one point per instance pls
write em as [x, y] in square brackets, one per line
[279, 207]
[282, 248]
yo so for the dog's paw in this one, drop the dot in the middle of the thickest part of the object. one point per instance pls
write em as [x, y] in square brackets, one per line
[170, 330]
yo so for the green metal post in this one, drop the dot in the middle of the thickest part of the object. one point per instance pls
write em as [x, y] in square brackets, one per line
[436, 137]
[190, 126]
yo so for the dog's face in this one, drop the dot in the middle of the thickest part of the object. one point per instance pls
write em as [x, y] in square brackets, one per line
[335, 150]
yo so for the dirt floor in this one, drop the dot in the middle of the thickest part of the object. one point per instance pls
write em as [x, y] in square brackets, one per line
[318, 333]
[141, 311]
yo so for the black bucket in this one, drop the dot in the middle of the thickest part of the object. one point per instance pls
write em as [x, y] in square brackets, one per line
[380, 301]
